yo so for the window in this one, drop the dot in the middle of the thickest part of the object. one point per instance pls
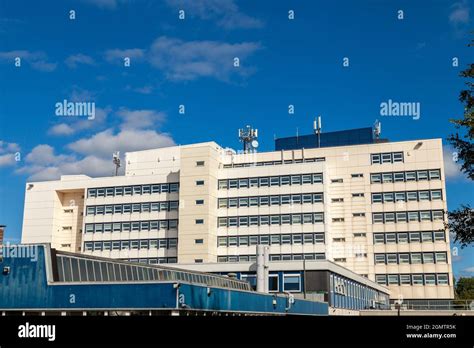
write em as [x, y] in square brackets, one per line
[397, 157]
[379, 238]
[377, 218]
[155, 188]
[381, 279]
[243, 240]
[308, 238]
[222, 184]
[405, 279]
[201, 201]
[439, 236]
[404, 258]
[414, 237]
[415, 258]
[392, 279]
[243, 183]
[412, 196]
[336, 181]
[292, 282]
[232, 241]
[274, 239]
[379, 258]
[199, 182]
[399, 177]
[428, 258]
[441, 258]
[375, 159]
[358, 214]
[273, 283]
[286, 239]
[400, 197]
[389, 217]
[199, 241]
[430, 279]
[222, 241]
[402, 237]
[417, 279]
[401, 217]
[376, 198]
[264, 240]
[387, 178]
[357, 195]
[424, 195]
[426, 237]
[422, 175]
[253, 182]
[375, 178]
[425, 215]
[436, 195]
[410, 176]
[275, 181]
[172, 243]
[443, 279]
[386, 158]
[285, 180]
[297, 239]
[91, 193]
[199, 163]
[253, 240]
[317, 178]
[109, 192]
[295, 180]
[413, 216]
[337, 200]
[435, 174]
[357, 175]
[392, 258]
[318, 198]
[437, 215]
[264, 182]
[306, 179]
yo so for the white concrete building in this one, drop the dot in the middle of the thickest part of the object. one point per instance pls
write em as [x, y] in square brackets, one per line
[376, 208]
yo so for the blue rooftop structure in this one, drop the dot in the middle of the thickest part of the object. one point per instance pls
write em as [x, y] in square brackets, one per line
[358, 136]
[38, 278]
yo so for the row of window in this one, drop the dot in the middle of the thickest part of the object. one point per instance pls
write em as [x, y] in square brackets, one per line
[387, 157]
[274, 163]
[273, 257]
[412, 279]
[291, 282]
[411, 258]
[242, 202]
[419, 175]
[389, 197]
[132, 208]
[132, 190]
[153, 225]
[153, 261]
[71, 269]
[271, 181]
[267, 239]
[141, 244]
[409, 237]
[405, 216]
[261, 220]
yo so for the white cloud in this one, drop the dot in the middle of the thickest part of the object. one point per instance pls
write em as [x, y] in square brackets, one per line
[37, 60]
[469, 270]
[226, 12]
[460, 13]
[188, 60]
[117, 55]
[452, 169]
[92, 155]
[76, 125]
[75, 60]
[8, 153]
[139, 119]
[105, 143]
[104, 4]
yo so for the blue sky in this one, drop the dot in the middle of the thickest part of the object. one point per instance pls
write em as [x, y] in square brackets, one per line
[190, 62]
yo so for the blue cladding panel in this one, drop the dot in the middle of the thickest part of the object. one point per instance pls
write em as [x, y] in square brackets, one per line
[340, 138]
[26, 287]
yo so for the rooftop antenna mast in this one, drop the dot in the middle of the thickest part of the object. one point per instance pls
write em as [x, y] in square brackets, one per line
[116, 160]
[317, 129]
[248, 136]
[377, 129]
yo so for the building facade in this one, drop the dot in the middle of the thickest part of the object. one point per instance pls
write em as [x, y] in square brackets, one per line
[376, 209]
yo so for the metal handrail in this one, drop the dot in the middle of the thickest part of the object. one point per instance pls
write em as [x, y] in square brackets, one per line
[437, 305]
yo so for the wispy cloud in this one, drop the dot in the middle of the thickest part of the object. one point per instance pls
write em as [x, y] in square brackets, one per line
[226, 13]
[459, 14]
[469, 270]
[105, 4]
[73, 61]
[189, 60]
[37, 60]
[91, 155]
[7, 153]
[452, 168]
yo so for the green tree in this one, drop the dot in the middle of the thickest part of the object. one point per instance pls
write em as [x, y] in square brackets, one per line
[460, 221]
[464, 288]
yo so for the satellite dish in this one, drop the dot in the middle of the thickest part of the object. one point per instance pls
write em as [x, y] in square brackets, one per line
[254, 144]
